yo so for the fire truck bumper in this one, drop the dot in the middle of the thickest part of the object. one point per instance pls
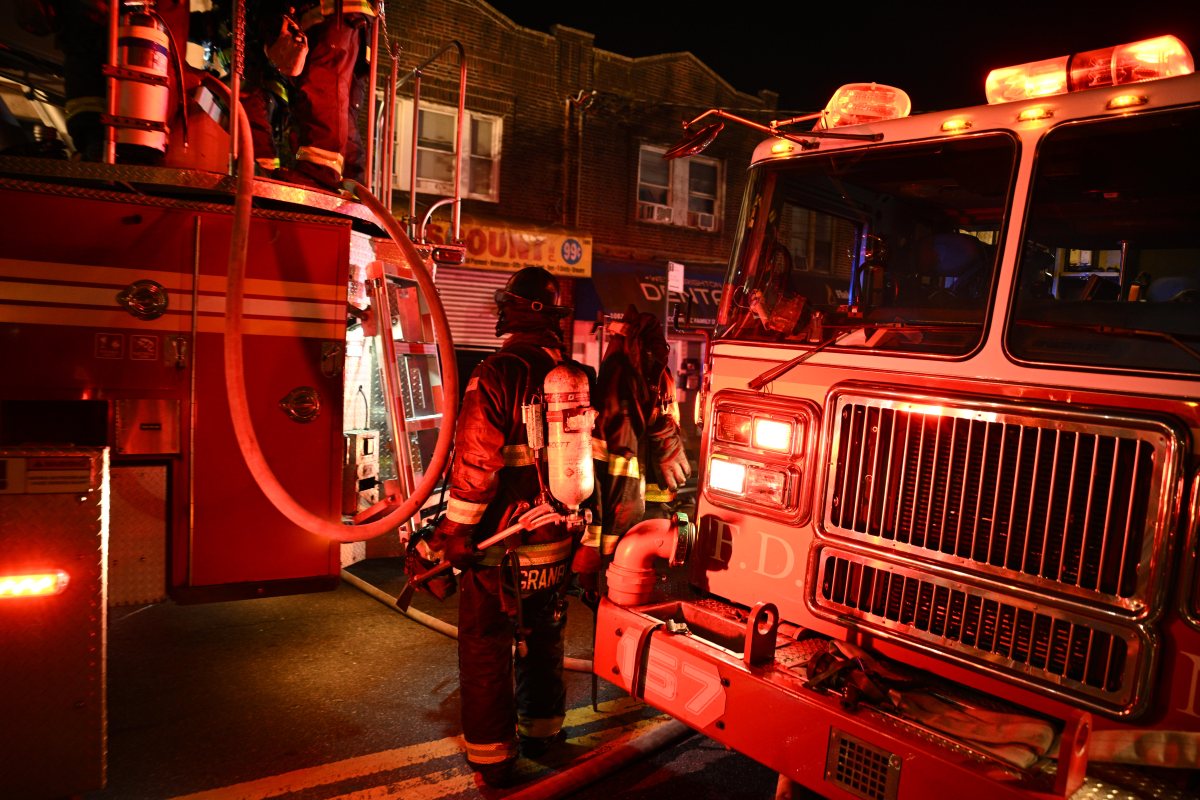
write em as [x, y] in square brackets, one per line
[734, 679]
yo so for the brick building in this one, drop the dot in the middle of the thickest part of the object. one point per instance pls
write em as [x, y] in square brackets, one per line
[563, 165]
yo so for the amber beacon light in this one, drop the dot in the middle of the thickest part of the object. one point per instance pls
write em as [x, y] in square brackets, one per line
[33, 584]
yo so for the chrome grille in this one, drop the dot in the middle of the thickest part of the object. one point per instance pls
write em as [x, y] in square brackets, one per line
[1096, 662]
[1071, 504]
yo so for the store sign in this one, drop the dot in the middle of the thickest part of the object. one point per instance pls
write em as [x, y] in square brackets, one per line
[621, 286]
[504, 248]
[704, 296]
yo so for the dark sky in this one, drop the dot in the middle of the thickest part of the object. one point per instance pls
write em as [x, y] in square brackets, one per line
[938, 52]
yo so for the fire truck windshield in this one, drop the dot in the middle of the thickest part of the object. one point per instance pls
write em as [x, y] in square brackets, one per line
[1109, 274]
[902, 236]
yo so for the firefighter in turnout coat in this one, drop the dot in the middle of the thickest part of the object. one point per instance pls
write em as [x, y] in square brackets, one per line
[494, 478]
[643, 462]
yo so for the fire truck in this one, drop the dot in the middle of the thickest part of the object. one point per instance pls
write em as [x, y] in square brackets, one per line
[946, 530]
[947, 522]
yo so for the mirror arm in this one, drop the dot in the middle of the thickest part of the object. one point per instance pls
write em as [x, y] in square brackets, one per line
[773, 128]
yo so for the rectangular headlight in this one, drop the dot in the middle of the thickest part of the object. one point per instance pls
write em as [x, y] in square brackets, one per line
[773, 434]
[727, 476]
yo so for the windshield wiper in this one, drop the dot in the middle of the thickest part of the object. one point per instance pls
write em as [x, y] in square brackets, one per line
[779, 369]
[879, 331]
[1114, 330]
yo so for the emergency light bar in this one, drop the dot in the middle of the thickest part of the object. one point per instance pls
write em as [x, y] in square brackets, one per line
[1160, 57]
[858, 103]
[39, 584]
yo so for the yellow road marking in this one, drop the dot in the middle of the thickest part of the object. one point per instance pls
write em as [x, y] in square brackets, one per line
[428, 785]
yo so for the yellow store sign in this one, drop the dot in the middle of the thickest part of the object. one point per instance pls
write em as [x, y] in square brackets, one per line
[505, 248]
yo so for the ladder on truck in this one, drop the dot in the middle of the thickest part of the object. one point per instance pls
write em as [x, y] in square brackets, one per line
[405, 352]
[393, 385]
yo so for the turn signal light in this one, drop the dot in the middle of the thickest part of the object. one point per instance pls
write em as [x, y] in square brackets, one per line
[765, 433]
[1160, 57]
[34, 584]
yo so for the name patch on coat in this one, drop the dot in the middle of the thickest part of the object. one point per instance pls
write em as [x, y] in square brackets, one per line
[542, 577]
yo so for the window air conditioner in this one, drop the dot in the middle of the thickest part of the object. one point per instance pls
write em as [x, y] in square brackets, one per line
[654, 213]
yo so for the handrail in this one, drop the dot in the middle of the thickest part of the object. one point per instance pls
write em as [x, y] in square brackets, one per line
[388, 165]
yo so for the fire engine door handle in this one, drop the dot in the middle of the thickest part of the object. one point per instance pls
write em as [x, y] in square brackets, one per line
[144, 299]
[180, 345]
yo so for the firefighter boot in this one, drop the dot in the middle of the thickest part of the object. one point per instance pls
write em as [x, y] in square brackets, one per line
[500, 775]
[535, 747]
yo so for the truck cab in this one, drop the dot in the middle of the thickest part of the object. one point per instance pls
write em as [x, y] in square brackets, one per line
[949, 496]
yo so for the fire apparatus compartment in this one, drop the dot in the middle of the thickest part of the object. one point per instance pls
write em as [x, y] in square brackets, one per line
[127, 314]
[53, 605]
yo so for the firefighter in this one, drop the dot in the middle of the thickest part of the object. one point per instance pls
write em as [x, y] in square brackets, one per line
[519, 587]
[644, 463]
[275, 55]
[329, 94]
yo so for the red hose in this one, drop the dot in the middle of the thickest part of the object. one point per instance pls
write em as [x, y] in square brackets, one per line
[235, 374]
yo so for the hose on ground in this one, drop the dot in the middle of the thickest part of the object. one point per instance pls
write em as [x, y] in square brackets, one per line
[561, 784]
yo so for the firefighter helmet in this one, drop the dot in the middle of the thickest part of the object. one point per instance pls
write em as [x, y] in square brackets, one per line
[528, 301]
[532, 287]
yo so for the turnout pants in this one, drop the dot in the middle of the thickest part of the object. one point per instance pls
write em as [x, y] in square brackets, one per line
[500, 696]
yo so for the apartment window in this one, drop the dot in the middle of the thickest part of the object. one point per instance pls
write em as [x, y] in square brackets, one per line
[436, 131]
[685, 192]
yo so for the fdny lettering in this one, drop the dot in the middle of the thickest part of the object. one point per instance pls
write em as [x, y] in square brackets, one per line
[534, 578]
[775, 562]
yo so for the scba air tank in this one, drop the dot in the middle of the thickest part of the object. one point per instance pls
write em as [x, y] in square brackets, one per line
[143, 90]
[569, 421]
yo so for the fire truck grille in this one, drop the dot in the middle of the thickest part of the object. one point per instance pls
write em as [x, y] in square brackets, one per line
[1093, 661]
[861, 769]
[1064, 504]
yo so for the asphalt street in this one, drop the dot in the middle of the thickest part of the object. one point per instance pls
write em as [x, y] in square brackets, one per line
[339, 695]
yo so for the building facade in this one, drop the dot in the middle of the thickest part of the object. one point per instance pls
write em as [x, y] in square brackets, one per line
[563, 167]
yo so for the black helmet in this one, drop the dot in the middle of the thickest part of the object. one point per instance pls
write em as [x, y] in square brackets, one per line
[533, 288]
[529, 302]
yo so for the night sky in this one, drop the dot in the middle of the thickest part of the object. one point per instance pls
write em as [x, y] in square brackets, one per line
[938, 52]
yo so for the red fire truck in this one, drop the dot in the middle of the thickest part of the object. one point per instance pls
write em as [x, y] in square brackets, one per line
[946, 532]
[214, 387]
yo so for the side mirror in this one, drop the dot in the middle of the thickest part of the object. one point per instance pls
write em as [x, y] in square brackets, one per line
[696, 142]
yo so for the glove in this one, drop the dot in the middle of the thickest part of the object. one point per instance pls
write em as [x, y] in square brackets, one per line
[460, 552]
[674, 470]
[454, 542]
[666, 448]
[586, 566]
[418, 560]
